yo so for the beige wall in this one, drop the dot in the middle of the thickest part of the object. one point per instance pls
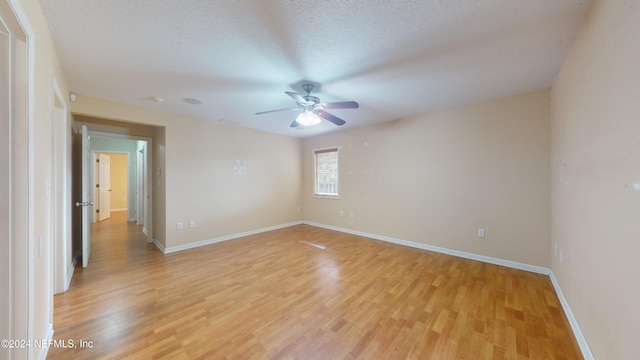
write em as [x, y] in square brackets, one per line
[204, 185]
[431, 179]
[595, 163]
[436, 178]
[198, 177]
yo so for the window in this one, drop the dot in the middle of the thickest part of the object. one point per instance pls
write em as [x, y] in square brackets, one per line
[326, 172]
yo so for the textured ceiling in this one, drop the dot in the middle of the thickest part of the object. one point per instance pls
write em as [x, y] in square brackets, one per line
[396, 58]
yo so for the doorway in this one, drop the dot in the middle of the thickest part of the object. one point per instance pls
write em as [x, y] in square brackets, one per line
[116, 185]
[113, 185]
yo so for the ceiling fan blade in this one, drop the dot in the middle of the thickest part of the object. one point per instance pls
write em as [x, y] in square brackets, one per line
[341, 105]
[334, 119]
[270, 111]
[297, 97]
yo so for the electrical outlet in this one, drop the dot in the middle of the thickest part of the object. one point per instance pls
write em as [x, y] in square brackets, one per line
[192, 224]
[180, 226]
[480, 233]
[560, 256]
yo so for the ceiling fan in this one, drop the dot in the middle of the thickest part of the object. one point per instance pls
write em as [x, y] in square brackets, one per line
[312, 109]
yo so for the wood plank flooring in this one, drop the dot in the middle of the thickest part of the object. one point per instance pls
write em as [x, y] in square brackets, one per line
[302, 293]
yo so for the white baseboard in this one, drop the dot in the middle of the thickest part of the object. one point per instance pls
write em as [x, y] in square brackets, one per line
[577, 332]
[119, 209]
[225, 238]
[159, 246]
[146, 233]
[462, 254]
[44, 350]
[70, 275]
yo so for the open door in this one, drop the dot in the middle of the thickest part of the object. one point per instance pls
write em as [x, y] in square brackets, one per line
[85, 202]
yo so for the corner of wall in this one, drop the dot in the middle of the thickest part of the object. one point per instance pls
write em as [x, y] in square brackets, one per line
[577, 331]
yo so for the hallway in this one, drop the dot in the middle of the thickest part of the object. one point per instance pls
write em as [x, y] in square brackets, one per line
[116, 245]
[117, 249]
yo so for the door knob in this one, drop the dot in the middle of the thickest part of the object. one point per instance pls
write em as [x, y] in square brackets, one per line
[84, 203]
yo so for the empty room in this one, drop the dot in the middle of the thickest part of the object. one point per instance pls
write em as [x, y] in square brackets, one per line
[320, 179]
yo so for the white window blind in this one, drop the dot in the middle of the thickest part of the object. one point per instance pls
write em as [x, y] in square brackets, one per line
[326, 172]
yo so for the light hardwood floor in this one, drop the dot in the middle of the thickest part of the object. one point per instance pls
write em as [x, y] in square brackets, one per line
[303, 293]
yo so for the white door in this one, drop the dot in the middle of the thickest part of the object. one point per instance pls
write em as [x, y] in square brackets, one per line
[104, 187]
[86, 203]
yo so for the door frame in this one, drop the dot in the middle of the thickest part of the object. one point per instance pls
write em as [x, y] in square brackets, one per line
[104, 194]
[20, 268]
[148, 204]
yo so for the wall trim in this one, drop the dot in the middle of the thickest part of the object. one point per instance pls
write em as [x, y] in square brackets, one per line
[573, 322]
[70, 275]
[225, 238]
[462, 254]
[44, 350]
[146, 233]
[159, 245]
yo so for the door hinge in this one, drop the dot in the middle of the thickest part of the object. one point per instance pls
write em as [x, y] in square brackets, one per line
[98, 210]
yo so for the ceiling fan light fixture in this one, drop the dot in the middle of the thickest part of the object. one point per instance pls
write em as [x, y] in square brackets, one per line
[308, 118]
[312, 109]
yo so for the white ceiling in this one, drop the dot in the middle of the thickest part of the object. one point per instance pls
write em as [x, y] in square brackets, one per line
[397, 58]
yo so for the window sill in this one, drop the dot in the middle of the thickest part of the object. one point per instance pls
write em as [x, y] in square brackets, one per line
[335, 197]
